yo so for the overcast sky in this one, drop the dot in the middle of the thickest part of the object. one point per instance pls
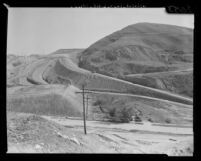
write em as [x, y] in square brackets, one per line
[44, 30]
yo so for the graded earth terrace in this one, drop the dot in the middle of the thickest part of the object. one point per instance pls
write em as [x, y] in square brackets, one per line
[140, 87]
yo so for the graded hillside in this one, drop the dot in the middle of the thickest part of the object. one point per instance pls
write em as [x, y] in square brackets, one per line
[176, 82]
[103, 83]
[16, 66]
[140, 48]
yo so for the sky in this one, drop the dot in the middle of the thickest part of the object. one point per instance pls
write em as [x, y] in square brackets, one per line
[45, 30]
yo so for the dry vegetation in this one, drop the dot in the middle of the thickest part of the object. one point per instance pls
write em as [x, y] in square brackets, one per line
[51, 104]
[123, 108]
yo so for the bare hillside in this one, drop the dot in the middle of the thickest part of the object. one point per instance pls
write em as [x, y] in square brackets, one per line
[140, 48]
[176, 82]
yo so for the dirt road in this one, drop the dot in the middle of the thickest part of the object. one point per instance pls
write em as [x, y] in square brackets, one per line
[146, 127]
[36, 69]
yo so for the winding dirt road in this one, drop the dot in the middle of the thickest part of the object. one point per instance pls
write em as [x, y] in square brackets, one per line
[33, 74]
[135, 138]
[157, 93]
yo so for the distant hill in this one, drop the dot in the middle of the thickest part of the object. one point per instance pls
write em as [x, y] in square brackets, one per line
[140, 48]
[67, 51]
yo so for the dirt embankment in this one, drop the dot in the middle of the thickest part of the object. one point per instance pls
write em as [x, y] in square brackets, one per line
[33, 134]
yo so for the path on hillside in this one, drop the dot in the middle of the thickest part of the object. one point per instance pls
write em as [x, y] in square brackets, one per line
[156, 73]
[137, 96]
[73, 67]
[36, 69]
[37, 74]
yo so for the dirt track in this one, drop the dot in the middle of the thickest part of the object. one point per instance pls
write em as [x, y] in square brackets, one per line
[33, 74]
[131, 137]
[146, 127]
[156, 73]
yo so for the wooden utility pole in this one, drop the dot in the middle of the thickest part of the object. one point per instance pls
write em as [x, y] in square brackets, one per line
[87, 107]
[84, 118]
[84, 111]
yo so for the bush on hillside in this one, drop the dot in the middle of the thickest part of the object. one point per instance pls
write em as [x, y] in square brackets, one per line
[17, 63]
[150, 119]
[168, 120]
[97, 103]
[137, 119]
[110, 56]
[121, 115]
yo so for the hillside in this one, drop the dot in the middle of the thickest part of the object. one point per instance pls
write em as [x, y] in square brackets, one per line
[138, 90]
[104, 83]
[177, 82]
[140, 48]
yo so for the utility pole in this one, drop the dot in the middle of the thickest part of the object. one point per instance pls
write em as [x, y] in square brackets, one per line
[87, 107]
[84, 118]
[84, 111]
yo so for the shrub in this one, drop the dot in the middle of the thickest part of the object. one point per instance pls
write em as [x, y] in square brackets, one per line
[17, 63]
[138, 119]
[98, 103]
[122, 115]
[96, 60]
[110, 56]
[150, 120]
[112, 112]
[168, 120]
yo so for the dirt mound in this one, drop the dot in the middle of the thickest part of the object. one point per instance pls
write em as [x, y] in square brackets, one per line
[33, 134]
[181, 148]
